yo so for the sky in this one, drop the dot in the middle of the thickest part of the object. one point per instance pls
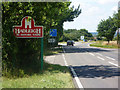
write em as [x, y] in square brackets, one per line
[93, 11]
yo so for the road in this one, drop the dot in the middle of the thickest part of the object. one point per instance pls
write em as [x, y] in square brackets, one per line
[94, 67]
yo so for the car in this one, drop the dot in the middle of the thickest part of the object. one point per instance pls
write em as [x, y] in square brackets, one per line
[70, 42]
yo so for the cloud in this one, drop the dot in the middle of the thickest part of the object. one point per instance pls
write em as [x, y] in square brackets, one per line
[92, 13]
[114, 8]
[93, 10]
[106, 1]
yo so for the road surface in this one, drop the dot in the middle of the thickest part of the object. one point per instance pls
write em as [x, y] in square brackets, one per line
[94, 67]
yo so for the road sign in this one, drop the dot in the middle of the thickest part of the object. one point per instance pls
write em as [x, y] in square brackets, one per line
[82, 37]
[51, 40]
[28, 29]
[53, 32]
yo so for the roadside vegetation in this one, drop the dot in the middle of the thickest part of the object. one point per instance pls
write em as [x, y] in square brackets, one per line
[21, 56]
[53, 76]
[105, 44]
[108, 35]
[74, 34]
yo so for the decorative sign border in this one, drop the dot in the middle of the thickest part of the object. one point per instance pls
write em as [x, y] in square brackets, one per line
[28, 29]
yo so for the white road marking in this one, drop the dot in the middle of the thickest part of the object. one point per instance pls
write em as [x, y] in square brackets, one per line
[100, 58]
[92, 54]
[88, 45]
[114, 64]
[76, 78]
[64, 60]
[74, 73]
[99, 54]
[110, 58]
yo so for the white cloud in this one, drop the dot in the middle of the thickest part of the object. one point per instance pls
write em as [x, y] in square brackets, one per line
[106, 1]
[92, 13]
[114, 8]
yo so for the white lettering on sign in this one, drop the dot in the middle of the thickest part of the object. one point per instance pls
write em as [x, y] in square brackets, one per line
[38, 31]
[27, 23]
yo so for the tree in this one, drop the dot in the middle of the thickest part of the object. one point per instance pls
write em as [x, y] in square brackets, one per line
[75, 34]
[107, 28]
[24, 54]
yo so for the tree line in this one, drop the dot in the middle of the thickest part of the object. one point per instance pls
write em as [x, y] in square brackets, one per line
[23, 55]
[74, 34]
[107, 27]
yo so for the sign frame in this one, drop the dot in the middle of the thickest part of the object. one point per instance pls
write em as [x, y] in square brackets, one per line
[34, 26]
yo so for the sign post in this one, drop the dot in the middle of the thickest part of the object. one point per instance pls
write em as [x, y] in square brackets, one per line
[41, 54]
[29, 30]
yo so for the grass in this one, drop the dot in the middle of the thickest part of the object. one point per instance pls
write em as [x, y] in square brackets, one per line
[53, 76]
[104, 44]
[63, 42]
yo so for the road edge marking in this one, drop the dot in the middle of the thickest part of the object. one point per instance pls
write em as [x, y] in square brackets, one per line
[76, 78]
[64, 60]
[73, 72]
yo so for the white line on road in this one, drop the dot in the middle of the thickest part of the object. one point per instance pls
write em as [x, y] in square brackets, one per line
[76, 78]
[89, 45]
[92, 54]
[74, 73]
[110, 58]
[64, 60]
[100, 58]
[99, 54]
[113, 64]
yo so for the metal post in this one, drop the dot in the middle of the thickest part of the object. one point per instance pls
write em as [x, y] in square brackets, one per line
[41, 54]
[118, 36]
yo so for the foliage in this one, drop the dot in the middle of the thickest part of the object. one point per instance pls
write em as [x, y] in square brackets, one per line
[74, 34]
[102, 45]
[55, 76]
[24, 54]
[107, 28]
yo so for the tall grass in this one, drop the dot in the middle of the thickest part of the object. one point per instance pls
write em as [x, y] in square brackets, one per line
[53, 76]
[105, 44]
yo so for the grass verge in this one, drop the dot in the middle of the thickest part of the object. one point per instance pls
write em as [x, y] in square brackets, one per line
[102, 45]
[53, 76]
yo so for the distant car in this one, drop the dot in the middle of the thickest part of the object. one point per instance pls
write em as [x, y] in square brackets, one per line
[70, 42]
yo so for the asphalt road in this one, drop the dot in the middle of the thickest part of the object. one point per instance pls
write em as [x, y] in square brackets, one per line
[95, 67]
